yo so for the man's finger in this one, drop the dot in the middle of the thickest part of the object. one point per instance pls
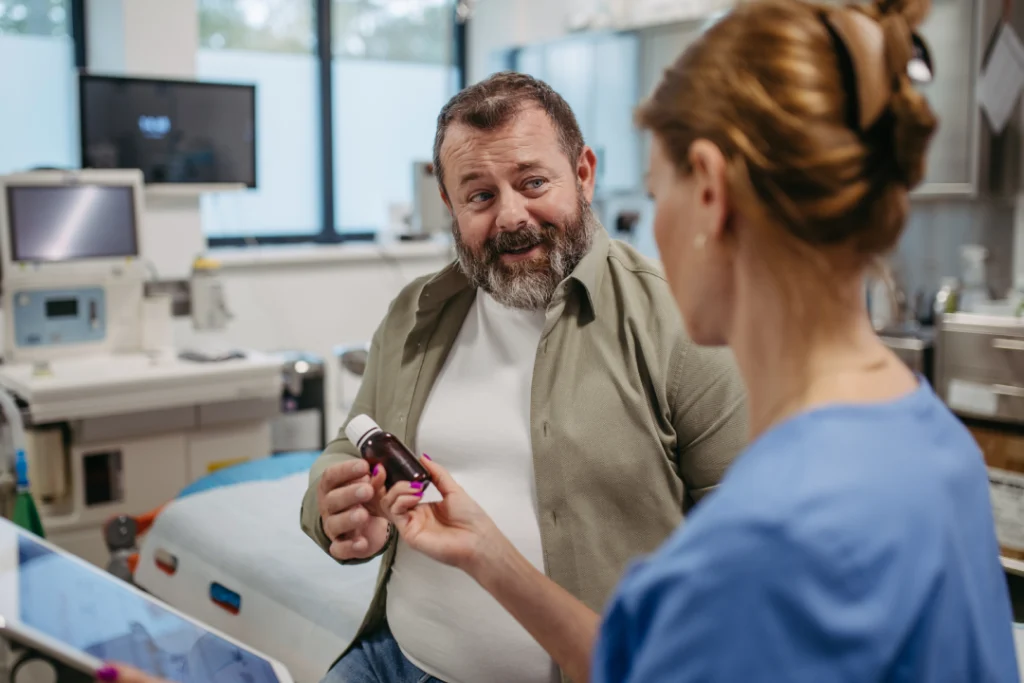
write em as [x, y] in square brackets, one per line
[350, 549]
[352, 519]
[343, 473]
[341, 499]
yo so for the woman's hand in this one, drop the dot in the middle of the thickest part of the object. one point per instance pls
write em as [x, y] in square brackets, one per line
[119, 673]
[456, 531]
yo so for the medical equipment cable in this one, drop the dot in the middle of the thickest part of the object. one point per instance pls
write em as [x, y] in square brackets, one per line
[25, 514]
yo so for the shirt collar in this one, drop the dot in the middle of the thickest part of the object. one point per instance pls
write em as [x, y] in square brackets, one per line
[589, 272]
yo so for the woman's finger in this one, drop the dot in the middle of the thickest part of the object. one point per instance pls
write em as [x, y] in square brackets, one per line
[378, 477]
[405, 504]
[402, 488]
[439, 476]
[124, 674]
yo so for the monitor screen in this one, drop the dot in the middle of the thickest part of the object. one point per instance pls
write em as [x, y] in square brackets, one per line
[69, 222]
[175, 131]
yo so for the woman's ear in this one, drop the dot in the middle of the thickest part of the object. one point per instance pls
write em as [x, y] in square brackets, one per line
[709, 170]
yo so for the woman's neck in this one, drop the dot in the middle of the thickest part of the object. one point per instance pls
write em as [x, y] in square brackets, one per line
[793, 360]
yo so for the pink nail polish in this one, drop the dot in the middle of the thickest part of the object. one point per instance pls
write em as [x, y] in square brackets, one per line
[416, 485]
[107, 674]
[427, 457]
[376, 469]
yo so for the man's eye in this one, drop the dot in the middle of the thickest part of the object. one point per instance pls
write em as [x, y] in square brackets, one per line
[535, 184]
[480, 197]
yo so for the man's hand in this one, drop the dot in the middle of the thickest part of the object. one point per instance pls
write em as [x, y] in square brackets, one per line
[348, 512]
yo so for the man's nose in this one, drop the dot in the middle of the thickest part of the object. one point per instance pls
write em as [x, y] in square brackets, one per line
[512, 211]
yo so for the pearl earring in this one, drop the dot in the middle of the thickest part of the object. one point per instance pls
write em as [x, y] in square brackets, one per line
[700, 240]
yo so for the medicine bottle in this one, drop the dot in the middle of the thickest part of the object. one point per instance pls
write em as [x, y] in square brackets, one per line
[381, 448]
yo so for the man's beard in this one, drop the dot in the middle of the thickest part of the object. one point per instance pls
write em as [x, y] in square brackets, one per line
[529, 284]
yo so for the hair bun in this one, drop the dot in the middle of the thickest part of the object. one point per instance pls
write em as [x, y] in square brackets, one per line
[912, 11]
[913, 122]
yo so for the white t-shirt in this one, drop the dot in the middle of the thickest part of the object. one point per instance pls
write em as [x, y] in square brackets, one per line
[476, 423]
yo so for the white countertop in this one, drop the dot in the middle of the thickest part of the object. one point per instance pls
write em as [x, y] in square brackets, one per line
[93, 386]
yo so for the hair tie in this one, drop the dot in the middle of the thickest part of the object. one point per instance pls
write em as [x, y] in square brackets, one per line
[873, 57]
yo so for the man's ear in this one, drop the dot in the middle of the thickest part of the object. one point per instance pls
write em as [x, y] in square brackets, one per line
[444, 198]
[586, 172]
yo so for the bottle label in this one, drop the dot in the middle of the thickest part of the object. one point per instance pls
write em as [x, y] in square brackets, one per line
[1006, 490]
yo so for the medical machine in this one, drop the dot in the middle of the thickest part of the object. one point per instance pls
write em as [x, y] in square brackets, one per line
[60, 611]
[113, 425]
[430, 215]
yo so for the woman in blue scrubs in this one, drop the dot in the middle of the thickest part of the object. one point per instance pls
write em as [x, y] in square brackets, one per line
[853, 540]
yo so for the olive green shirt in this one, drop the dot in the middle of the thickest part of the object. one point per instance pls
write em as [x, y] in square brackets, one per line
[631, 422]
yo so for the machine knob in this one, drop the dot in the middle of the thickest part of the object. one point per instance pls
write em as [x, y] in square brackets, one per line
[120, 533]
[35, 670]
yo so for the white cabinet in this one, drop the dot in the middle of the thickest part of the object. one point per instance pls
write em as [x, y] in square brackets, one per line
[604, 75]
[951, 31]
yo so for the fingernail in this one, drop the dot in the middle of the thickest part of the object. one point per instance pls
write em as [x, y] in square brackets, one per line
[107, 674]
[416, 485]
[427, 457]
[376, 469]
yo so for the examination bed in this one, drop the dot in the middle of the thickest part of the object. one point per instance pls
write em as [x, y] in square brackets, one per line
[230, 552]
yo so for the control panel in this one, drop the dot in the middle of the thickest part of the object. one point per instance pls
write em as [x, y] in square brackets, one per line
[56, 317]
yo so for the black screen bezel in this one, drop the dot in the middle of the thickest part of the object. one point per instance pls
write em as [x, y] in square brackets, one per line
[12, 234]
[85, 78]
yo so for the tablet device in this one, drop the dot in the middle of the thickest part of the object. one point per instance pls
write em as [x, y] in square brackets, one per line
[95, 617]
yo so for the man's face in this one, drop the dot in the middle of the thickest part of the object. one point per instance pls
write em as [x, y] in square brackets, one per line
[522, 217]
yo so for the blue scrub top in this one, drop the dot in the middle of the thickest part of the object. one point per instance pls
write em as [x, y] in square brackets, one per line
[850, 543]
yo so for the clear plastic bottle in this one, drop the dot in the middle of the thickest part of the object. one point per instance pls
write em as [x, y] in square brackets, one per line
[378, 447]
[947, 298]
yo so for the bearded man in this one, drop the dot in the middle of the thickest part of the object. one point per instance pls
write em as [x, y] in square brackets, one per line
[548, 371]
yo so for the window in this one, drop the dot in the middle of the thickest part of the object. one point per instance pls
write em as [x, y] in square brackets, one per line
[367, 93]
[270, 43]
[38, 117]
[393, 71]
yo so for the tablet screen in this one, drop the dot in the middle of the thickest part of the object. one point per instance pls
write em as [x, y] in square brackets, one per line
[98, 614]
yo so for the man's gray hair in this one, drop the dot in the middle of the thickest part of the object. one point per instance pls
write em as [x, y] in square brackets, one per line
[492, 103]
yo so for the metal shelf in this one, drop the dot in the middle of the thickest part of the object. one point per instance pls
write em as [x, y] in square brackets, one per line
[190, 189]
[1013, 566]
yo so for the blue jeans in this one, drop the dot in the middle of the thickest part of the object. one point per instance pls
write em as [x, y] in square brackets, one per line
[377, 659]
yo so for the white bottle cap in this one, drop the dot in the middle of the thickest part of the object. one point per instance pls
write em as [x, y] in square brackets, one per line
[360, 427]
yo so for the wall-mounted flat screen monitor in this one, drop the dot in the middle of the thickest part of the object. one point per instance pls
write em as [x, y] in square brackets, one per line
[174, 131]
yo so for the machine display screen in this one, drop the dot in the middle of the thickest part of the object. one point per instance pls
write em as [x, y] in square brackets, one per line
[94, 612]
[62, 308]
[174, 131]
[69, 222]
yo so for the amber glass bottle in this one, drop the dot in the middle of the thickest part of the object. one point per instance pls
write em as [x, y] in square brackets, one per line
[381, 448]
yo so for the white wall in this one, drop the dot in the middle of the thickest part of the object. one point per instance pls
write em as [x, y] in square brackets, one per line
[498, 24]
[281, 298]
[313, 306]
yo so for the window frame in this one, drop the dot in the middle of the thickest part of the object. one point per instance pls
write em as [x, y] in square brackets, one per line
[328, 233]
